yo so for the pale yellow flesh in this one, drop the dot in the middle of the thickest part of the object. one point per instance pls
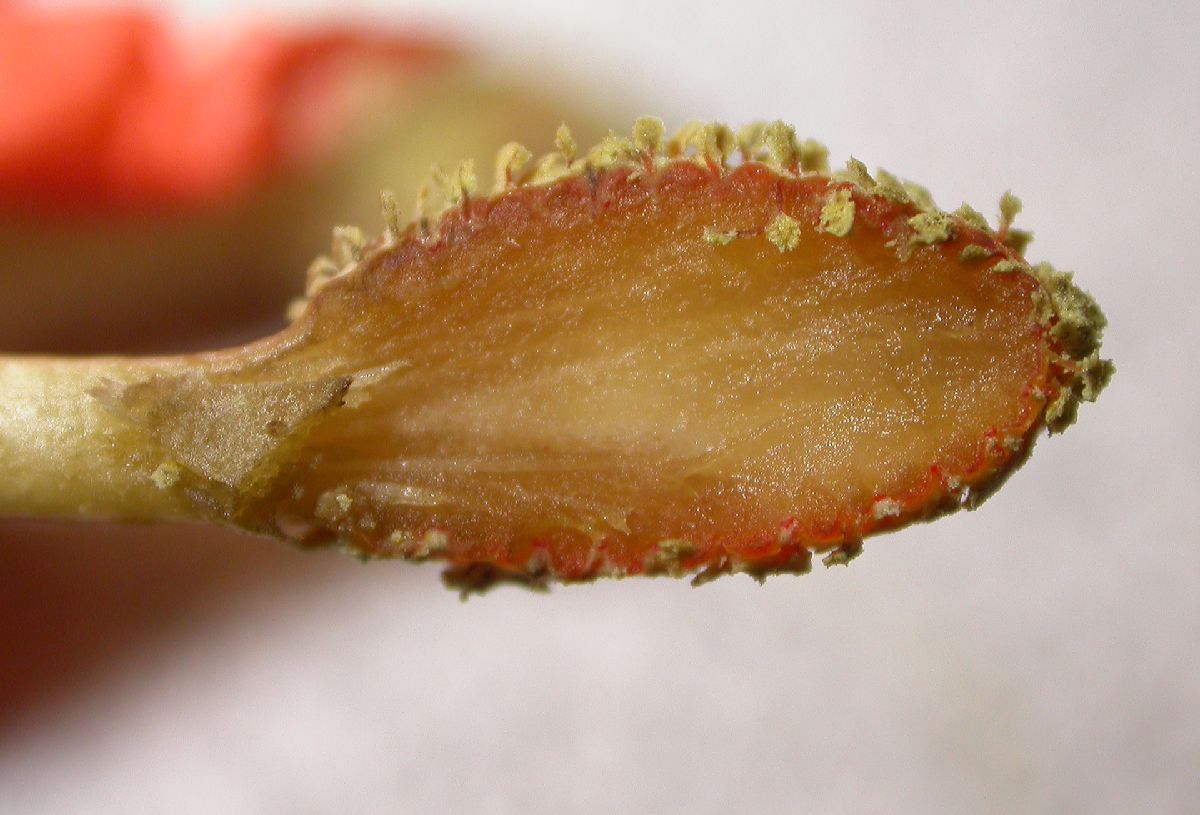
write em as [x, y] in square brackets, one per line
[621, 376]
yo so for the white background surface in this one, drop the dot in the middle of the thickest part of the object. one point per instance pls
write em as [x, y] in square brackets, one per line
[1039, 655]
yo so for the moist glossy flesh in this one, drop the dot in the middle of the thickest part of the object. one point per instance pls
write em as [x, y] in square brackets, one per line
[591, 379]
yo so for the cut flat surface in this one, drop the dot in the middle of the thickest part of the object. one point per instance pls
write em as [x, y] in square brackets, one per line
[655, 365]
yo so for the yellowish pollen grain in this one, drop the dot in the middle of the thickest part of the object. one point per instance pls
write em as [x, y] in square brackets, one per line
[974, 252]
[705, 140]
[972, 216]
[166, 475]
[814, 156]
[459, 186]
[837, 214]
[719, 237]
[780, 140]
[348, 243]
[648, 135]
[723, 143]
[784, 232]
[709, 141]
[1010, 206]
[1018, 240]
[550, 168]
[611, 150]
[1008, 266]
[391, 214]
[839, 557]
[683, 138]
[537, 563]
[565, 143]
[1061, 412]
[886, 508]
[676, 548]
[856, 173]
[1095, 374]
[468, 181]
[435, 542]
[920, 196]
[320, 272]
[749, 139]
[332, 505]
[441, 182]
[510, 161]
[890, 187]
[931, 227]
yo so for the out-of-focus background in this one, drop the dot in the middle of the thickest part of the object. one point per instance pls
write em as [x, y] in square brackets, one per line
[1038, 655]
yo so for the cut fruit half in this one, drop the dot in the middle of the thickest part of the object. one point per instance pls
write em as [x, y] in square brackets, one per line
[684, 357]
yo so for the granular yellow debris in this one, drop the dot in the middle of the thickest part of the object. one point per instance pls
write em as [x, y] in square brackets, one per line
[784, 232]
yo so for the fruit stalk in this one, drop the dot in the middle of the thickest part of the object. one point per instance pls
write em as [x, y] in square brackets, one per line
[63, 455]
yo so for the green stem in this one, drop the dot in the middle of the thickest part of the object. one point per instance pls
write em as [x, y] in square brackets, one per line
[63, 455]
